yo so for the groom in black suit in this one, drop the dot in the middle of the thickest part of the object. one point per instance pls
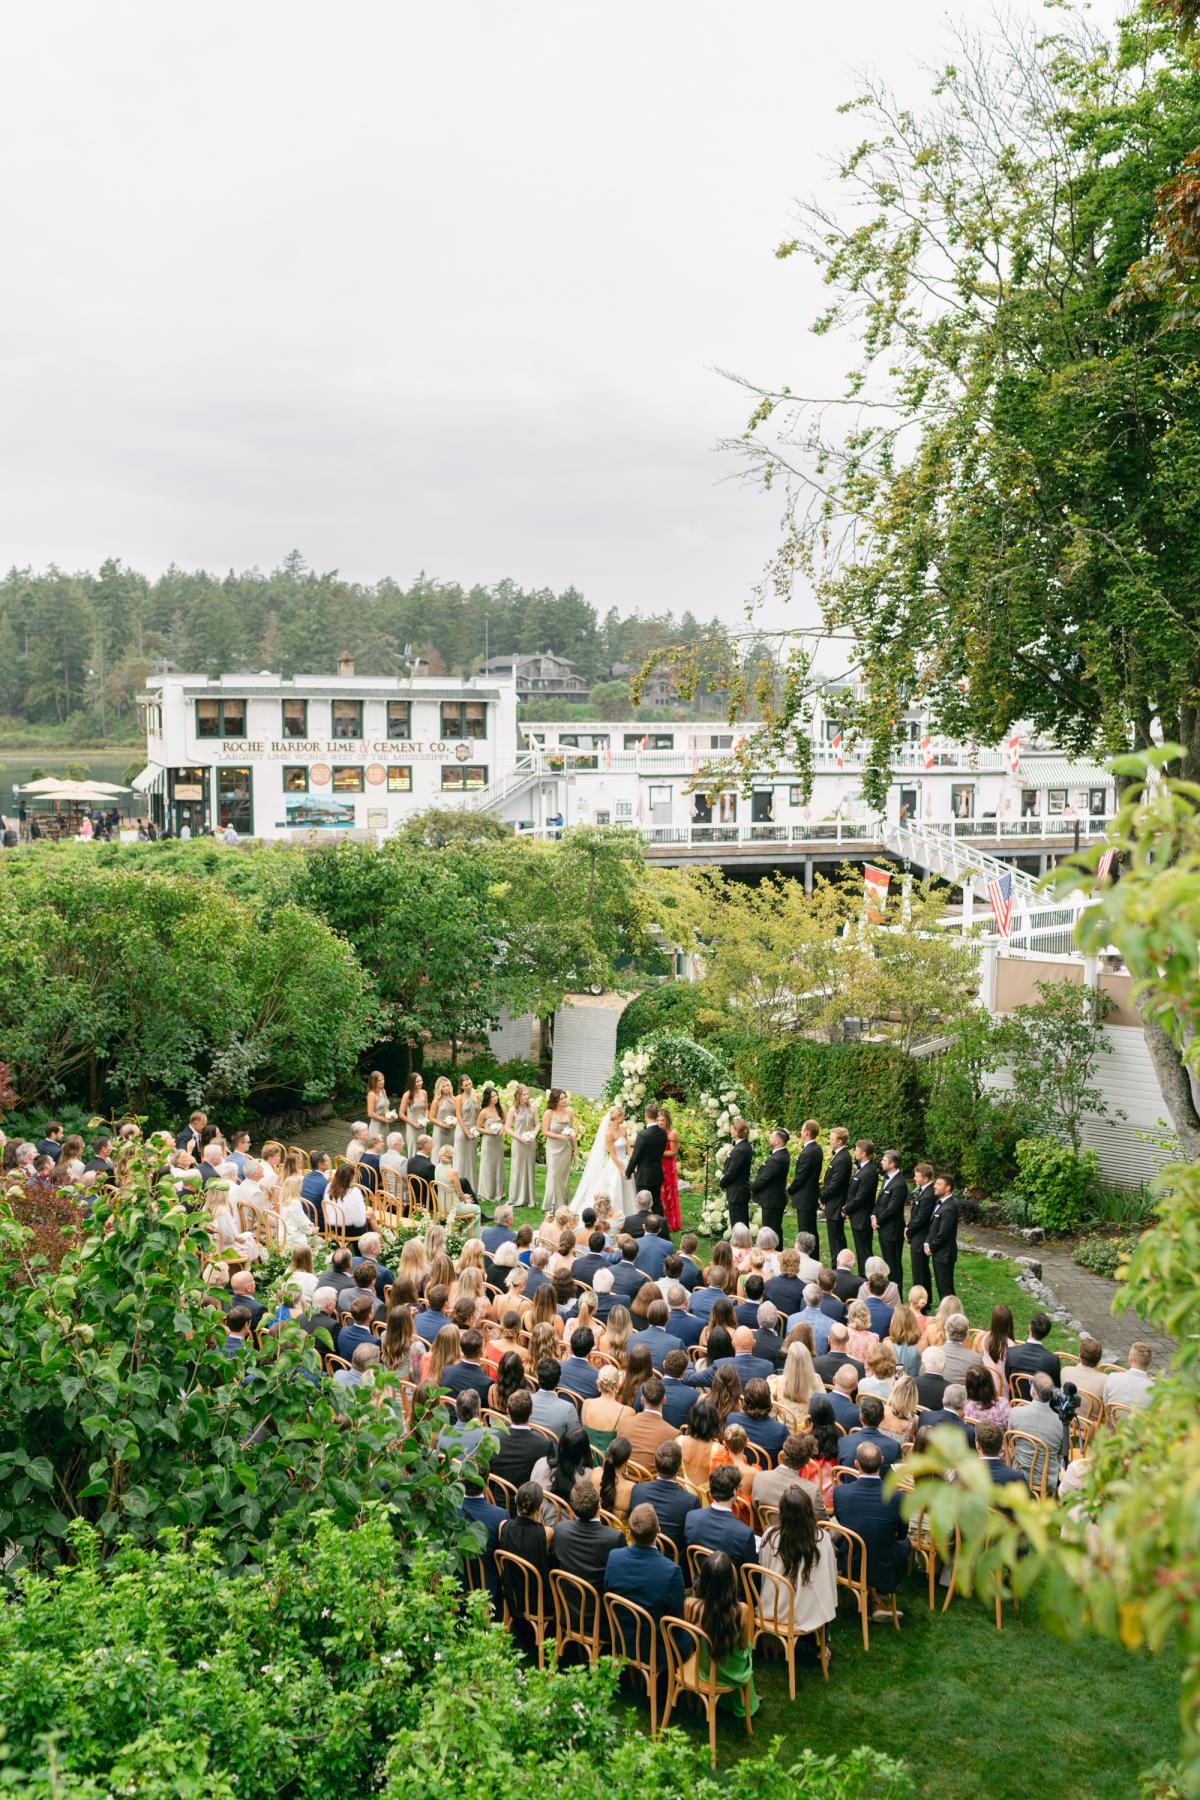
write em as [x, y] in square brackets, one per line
[647, 1156]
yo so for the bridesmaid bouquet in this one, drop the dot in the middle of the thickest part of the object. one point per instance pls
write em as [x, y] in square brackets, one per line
[524, 1137]
[493, 1128]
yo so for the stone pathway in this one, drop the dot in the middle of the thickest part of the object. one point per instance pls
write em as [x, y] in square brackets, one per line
[1086, 1297]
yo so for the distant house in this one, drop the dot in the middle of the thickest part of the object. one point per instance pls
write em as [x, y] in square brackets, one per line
[659, 690]
[541, 677]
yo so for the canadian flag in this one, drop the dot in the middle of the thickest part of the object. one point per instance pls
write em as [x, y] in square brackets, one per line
[1014, 754]
[927, 750]
[875, 892]
[837, 748]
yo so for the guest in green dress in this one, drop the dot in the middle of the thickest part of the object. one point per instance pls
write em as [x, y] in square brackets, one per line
[715, 1607]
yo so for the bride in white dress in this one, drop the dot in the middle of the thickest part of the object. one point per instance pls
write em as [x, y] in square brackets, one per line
[604, 1171]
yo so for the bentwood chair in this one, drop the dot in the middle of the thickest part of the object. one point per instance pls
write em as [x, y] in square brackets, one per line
[1034, 1465]
[634, 1638]
[683, 1643]
[524, 1598]
[772, 1601]
[696, 1555]
[853, 1575]
[578, 1614]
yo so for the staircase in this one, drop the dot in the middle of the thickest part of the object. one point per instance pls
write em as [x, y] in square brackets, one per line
[528, 769]
[1039, 925]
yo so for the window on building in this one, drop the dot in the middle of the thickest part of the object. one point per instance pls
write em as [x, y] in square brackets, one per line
[727, 809]
[295, 718]
[962, 800]
[701, 809]
[1029, 803]
[714, 740]
[233, 800]
[464, 718]
[1097, 802]
[399, 779]
[347, 719]
[762, 806]
[347, 781]
[603, 818]
[830, 729]
[660, 796]
[1056, 802]
[221, 718]
[569, 740]
[624, 809]
[650, 740]
[457, 776]
[295, 780]
[399, 718]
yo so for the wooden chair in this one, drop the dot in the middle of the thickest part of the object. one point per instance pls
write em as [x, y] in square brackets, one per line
[696, 1555]
[768, 1516]
[333, 1363]
[634, 1638]
[1115, 1410]
[524, 1598]
[566, 1394]
[501, 1493]
[1091, 1408]
[474, 1575]
[578, 1614]
[843, 1473]
[772, 1601]
[758, 1456]
[420, 1197]
[615, 1523]
[560, 1508]
[367, 1180]
[305, 1158]
[854, 1579]
[683, 1642]
[635, 1471]
[335, 1222]
[1082, 1432]
[666, 1546]
[309, 1208]
[545, 1431]
[1037, 1470]
[924, 1551]
[1020, 1387]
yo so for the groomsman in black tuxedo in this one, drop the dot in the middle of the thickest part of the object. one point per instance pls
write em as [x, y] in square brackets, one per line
[924, 1201]
[860, 1202]
[770, 1184]
[735, 1176]
[833, 1192]
[889, 1215]
[806, 1181]
[941, 1240]
[646, 1160]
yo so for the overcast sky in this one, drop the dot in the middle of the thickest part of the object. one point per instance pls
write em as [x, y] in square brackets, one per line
[439, 285]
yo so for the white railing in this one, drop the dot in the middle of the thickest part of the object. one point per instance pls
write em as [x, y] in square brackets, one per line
[943, 854]
[527, 769]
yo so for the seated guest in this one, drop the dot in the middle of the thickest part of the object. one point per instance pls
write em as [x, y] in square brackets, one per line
[837, 1356]
[433, 1316]
[1032, 1357]
[749, 1366]
[365, 1357]
[767, 1342]
[345, 1204]
[525, 1536]
[585, 1268]
[611, 1480]
[576, 1374]
[983, 1402]
[642, 1573]
[372, 1151]
[679, 1396]
[733, 1452]
[700, 1442]
[500, 1231]
[843, 1398]
[654, 1247]
[989, 1442]
[681, 1323]
[889, 1293]
[951, 1412]
[1087, 1375]
[241, 1286]
[394, 1157]
[671, 1502]
[322, 1323]
[996, 1344]
[901, 1410]
[692, 1275]
[705, 1298]
[931, 1383]
[604, 1416]
[826, 1442]
[237, 1331]
[656, 1337]
[647, 1429]
[370, 1249]
[806, 1250]
[468, 1372]
[904, 1335]
[562, 1465]
[362, 1310]
[1131, 1386]
[959, 1355]
[763, 1431]
[811, 1314]
[831, 1304]
[786, 1290]
[1038, 1419]
[770, 1485]
[746, 1311]
[582, 1546]
[451, 1202]
[880, 1310]
[881, 1370]
[549, 1407]
[870, 1433]
[805, 1558]
[725, 1619]
[846, 1278]
[483, 1512]
[520, 1447]
[860, 1337]
[793, 1390]
[716, 1527]
[358, 1140]
[420, 1164]
[861, 1507]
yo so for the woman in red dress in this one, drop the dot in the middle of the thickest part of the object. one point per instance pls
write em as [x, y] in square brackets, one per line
[670, 1163]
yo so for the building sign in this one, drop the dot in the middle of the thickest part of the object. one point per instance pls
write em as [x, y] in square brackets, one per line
[320, 775]
[323, 814]
[188, 790]
[296, 749]
[376, 774]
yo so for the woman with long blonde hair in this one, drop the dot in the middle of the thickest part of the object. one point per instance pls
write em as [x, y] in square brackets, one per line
[543, 1344]
[508, 1341]
[900, 1409]
[618, 1329]
[521, 1125]
[435, 1240]
[398, 1348]
[904, 1335]
[413, 1263]
[414, 1110]
[445, 1349]
[794, 1386]
[443, 1116]
[469, 1286]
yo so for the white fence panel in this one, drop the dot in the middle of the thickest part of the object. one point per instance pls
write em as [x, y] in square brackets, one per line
[585, 1047]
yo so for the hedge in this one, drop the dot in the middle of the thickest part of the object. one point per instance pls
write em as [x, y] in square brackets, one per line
[673, 1006]
[875, 1090]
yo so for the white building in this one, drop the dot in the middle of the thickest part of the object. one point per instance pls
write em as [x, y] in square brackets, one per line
[280, 757]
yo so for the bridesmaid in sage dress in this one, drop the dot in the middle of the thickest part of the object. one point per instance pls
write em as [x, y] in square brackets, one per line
[491, 1148]
[414, 1110]
[558, 1129]
[466, 1132]
[521, 1125]
[442, 1115]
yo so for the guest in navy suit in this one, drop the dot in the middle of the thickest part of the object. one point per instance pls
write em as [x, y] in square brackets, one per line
[679, 1396]
[672, 1504]
[644, 1575]
[576, 1373]
[716, 1527]
[479, 1509]
[654, 1247]
[755, 1419]
[682, 1324]
[861, 1507]
[870, 1411]
[657, 1337]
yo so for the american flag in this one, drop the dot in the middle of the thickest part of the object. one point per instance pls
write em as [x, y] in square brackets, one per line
[1014, 754]
[837, 745]
[1106, 862]
[1000, 899]
[927, 750]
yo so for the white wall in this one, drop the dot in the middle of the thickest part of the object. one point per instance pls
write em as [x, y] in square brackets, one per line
[585, 1045]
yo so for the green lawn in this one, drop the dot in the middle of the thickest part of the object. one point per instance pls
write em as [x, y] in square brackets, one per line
[974, 1712]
